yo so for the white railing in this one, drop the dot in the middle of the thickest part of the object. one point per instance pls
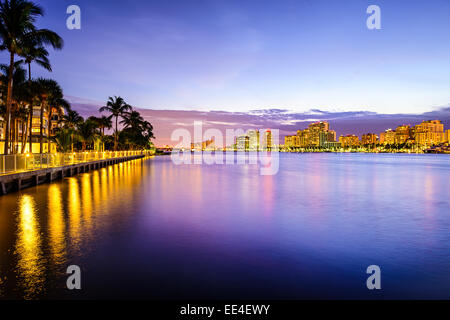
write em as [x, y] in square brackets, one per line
[26, 162]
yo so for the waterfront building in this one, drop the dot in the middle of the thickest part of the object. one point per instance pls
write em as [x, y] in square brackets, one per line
[369, 138]
[242, 143]
[253, 140]
[204, 145]
[429, 132]
[402, 134]
[292, 141]
[332, 145]
[303, 136]
[315, 130]
[326, 136]
[349, 140]
[267, 143]
[387, 137]
[447, 136]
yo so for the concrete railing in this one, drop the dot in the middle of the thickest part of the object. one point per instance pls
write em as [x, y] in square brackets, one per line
[27, 162]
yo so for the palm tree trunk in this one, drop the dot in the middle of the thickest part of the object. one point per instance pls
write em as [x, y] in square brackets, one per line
[9, 102]
[49, 127]
[13, 133]
[41, 127]
[24, 134]
[31, 110]
[115, 136]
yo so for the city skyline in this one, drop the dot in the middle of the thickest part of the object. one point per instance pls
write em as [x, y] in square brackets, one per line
[288, 122]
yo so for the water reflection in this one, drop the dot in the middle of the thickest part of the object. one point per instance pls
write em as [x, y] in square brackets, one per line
[30, 265]
[56, 225]
[74, 214]
[214, 229]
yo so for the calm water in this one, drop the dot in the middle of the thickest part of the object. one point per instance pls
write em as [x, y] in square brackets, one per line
[150, 229]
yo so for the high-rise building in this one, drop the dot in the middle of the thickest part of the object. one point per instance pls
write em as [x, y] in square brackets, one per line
[369, 138]
[303, 136]
[268, 143]
[253, 140]
[349, 140]
[292, 141]
[242, 143]
[387, 137]
[326, 136]
[429, 132]
[314, 132]
[447, 136]
[402, 134]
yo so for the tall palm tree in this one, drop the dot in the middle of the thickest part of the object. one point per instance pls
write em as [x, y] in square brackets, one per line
[63, 139]
[34, 52]
[87, 132]
[132, 120]
[18, 95]
[117, 107]
[71, 120]
[56, 104]
[49, 92]
[102, 123]
[51, 98]
[17, 27]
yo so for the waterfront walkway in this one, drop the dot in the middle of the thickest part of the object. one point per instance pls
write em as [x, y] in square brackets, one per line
[21, 171]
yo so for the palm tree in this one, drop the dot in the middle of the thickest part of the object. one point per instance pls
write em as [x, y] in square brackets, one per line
[87, 132]
[34, 52]
[17, 27]
[132, 120]
[117, 107]
[71, 120]
[18, 95]
[102, 123]
[63, 139]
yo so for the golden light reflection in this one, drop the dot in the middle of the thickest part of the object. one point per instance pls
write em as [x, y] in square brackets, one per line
[74, 213]
[56, 224]
[31, 267]
[86, 194]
